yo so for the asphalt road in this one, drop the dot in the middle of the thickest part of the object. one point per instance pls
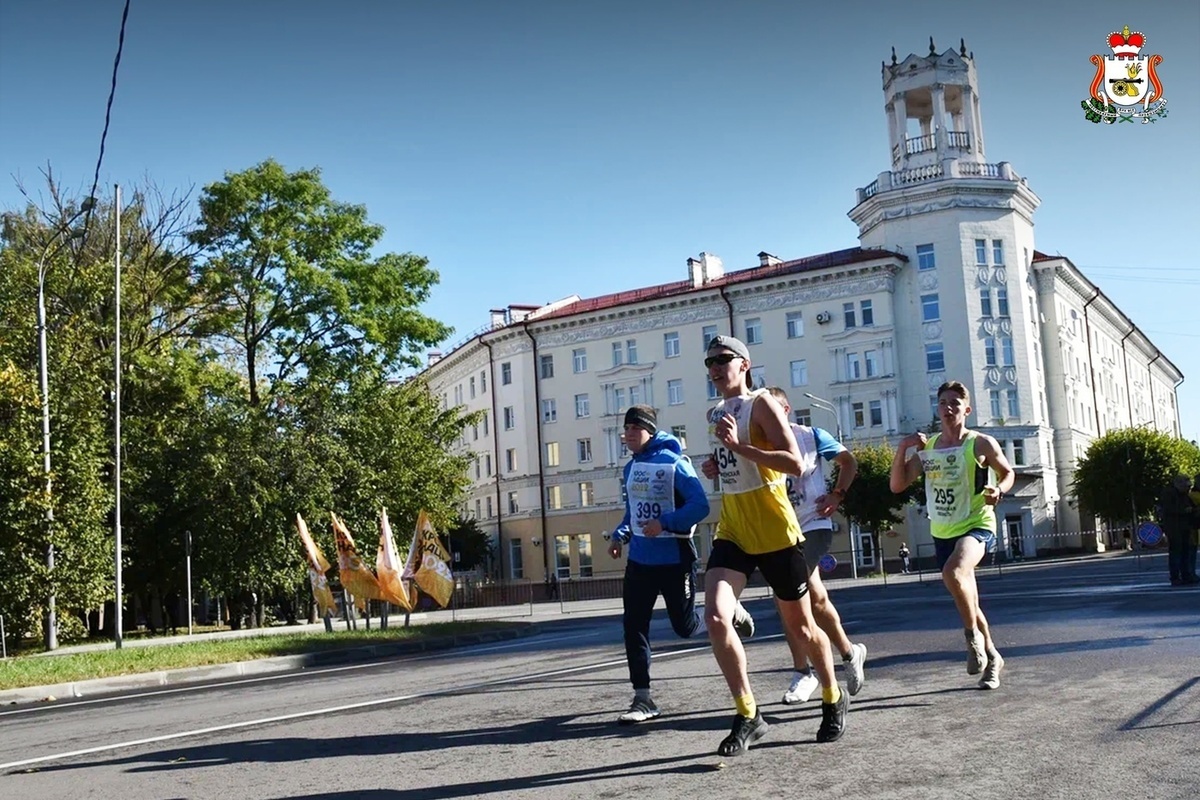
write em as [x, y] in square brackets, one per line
[1101, 699]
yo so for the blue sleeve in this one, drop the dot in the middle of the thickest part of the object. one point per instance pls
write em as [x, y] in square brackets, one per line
[622, 532]
[827, 446]
[695, 501]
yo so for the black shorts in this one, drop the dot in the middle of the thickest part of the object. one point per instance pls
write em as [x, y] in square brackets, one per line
[785, 571]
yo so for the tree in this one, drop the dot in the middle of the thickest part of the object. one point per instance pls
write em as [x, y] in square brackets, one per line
[466, 539]
[870, 503]
[1128, 468]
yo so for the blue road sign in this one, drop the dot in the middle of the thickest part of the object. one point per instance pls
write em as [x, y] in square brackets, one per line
[827, 563]
[1149, 534]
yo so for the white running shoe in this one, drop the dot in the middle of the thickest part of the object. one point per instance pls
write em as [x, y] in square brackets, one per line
[639, 711]
[991, 673]
[976, 654]
[743, 623]
[854, 668]
[801, 689]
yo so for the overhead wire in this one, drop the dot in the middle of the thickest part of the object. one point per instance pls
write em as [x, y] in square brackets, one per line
[107, 114]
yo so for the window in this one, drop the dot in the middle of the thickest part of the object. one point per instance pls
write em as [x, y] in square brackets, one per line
[510, 418]
[929, 308]
[475, 433]
[478, 509]
[510, 459]
[981, 251]
[875, 407]
[804, 417]
[675, 392]
[795, 325]
[935, 357]
[562, 556]
[579, 360]
[1002, 301]
[553, 497]
[618, 354]
[994, 396]
[925, 256]
[1014, 404]
[998, 252]
[506, 373]
[671, 345]
[458, 395]
[758, 377]
[478, 470]
[710, 390]
[547, 366]
[631, 351]
[587, 496]
[583, 407]
[933, 407]
[483, 381]
[710, 333]
[1006, 351]
[551, 454]
[487, 464]
[853, 367]
[491, 510]
[584, 449]
[513, 508]
[989, 351]
[754, 331]
[516, 567]
[848, 313]
[472, 385]
[868, 312]
[585, 555]
[619, 397]
[680, 433]
[484, 423]
[549, 411]
[985, 302]
[1018, 452]
[860, 417]
[800, 372]
[871, 359]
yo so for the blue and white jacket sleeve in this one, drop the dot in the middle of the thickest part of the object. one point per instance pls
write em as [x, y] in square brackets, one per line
[622, 532]
[694, 507]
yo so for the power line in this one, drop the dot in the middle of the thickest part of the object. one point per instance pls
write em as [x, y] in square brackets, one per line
[107, 113]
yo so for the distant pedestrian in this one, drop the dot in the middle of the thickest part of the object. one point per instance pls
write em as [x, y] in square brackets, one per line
[1178, 515]
[905, 560]
[552, 586]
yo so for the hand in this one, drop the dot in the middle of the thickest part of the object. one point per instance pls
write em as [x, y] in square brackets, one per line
[992, 495]
[917, 440]
[828, 503]
[727, 432]
[709, 468]
[614, 549]
[652, 528]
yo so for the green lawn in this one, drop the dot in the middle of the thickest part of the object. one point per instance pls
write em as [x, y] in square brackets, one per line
[43, 670]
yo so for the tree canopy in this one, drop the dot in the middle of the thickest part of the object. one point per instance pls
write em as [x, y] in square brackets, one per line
[1129, 467]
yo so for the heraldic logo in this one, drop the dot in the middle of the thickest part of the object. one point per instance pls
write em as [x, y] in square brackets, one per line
[1126, 86]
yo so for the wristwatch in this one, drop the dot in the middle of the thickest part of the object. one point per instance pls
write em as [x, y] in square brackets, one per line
[840, 493]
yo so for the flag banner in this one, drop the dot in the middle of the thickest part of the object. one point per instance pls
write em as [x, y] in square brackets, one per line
[433, 570]
[393, 587]
[317, 567]
[356, 577]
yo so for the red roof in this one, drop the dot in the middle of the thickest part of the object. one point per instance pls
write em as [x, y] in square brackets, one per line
[837, 258]
[1039, 256]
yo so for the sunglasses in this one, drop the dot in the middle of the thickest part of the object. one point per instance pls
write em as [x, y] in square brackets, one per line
[722, 359]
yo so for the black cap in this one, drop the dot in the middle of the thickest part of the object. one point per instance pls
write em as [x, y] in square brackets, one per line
[644, 417]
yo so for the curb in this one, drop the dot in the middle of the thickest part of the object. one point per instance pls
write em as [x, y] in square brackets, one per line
[261, 666]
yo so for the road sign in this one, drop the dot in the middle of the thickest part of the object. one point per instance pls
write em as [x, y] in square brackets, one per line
[1149, 534]
[827, 563]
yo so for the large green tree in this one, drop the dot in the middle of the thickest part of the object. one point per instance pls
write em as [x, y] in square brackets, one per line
[870, 503]
[1128, 468]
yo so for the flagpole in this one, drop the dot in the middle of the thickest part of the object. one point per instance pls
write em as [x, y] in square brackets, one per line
[117, 434]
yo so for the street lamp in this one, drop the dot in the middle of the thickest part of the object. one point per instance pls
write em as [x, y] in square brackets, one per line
[826, 405]
[51, 623]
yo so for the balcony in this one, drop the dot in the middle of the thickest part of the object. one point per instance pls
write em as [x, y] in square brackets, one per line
[955, 140]
[948, 168]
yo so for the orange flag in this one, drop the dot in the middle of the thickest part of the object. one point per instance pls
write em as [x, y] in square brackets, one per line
[433, 573]
[317, 567]
[393, 587]
[356, 577]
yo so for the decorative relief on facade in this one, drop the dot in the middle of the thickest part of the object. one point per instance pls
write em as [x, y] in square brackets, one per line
[928, 280]
[1001, 275]
[1010, 375]
[1006, 326]
[983, 275]
[933, 330]
[991, 376]
[514, 346]
[839, 289]
[989, 326]
[654, 319]
[935, 379]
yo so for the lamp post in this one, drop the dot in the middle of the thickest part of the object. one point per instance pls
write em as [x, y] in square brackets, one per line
[826, 405]
[51, 621]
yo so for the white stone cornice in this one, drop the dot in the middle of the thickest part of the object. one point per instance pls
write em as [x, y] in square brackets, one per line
[610, 326]
[825, 290]
[628, 370]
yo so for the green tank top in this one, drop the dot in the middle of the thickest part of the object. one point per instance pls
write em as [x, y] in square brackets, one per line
[954, 482]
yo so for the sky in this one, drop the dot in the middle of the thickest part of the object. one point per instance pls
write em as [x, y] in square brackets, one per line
[534, 150]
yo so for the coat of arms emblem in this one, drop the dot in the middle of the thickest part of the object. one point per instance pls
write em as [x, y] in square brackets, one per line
[1126, 86]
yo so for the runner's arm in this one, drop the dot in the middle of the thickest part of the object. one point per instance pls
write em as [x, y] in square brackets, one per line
[905, 470]
[784, 454]
[690, 490]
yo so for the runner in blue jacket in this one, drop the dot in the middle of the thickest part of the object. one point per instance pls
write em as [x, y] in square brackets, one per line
[664, 501]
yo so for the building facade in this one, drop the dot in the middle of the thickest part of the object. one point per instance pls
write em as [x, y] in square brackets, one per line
[945, 284]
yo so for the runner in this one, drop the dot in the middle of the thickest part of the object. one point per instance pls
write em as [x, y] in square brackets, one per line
[664, 502]
[962, 517]
[813, 503]
[753, 450]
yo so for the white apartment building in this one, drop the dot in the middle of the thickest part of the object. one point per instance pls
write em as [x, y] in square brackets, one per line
[945, 284]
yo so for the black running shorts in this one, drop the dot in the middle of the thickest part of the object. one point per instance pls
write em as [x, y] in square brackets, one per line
[784, 570]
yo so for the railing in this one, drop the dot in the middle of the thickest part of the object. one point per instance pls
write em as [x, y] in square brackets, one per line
[920, 144]
[960, 140]
[871, 189]
[916, 175]
[974, 169]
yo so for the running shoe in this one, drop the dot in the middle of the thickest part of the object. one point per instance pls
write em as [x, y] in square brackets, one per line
[639, 711]
[745, 731]
[991, 673]
[833, 719]
[976, 655]
[801, 689]
[743, 623]
[854, 668]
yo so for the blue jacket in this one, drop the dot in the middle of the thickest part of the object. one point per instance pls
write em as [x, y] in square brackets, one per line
[691, 506]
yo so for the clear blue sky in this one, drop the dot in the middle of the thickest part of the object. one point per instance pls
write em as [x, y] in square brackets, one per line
[534, 150]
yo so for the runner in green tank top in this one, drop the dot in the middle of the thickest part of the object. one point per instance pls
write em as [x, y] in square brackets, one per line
[962, 514]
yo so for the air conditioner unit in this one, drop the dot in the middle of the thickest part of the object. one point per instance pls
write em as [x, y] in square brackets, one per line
[823, 317]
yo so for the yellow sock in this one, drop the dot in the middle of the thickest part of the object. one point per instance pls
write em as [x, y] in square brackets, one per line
[746, 705]
[831, 695]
